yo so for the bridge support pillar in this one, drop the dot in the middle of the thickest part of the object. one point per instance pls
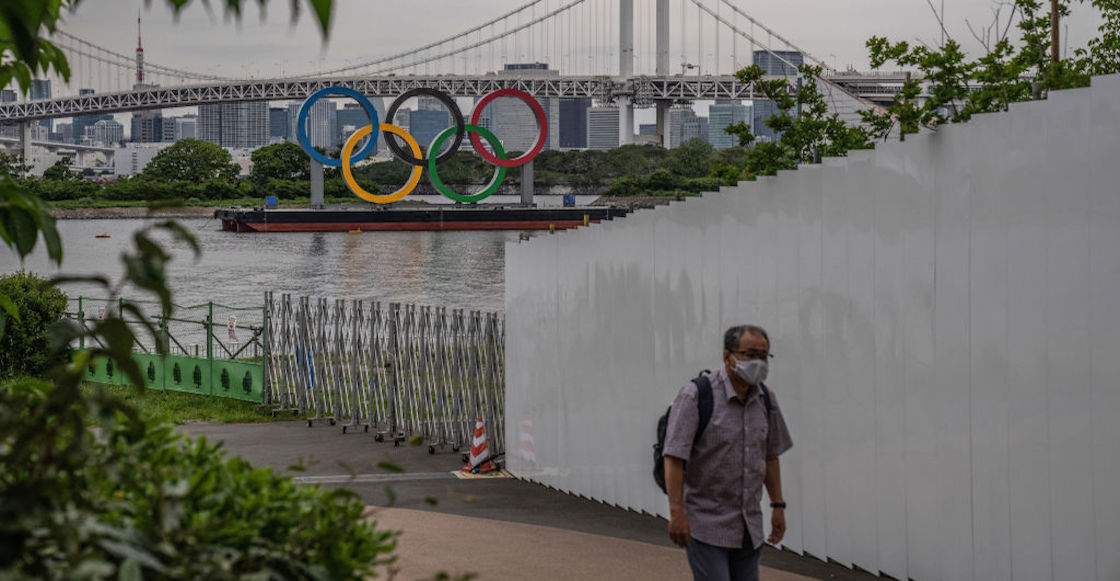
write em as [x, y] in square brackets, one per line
[625, 121]
[527, 184]
[317, 186]
[625, 38]
[25, 143]
[663, 122]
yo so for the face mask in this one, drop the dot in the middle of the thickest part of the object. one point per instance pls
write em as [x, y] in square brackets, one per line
[753, 371]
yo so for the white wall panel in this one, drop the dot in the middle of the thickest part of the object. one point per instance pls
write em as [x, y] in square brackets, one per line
[944, 317]
[1104, 324]
[889, 479]
[1069, 385]
[859, 352]
[1028, 429]
[835, 395]
[987, 362]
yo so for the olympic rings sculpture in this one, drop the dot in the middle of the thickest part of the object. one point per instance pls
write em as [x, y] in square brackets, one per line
[413, 155]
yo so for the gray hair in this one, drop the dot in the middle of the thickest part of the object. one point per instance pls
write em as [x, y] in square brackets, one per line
[732, 336]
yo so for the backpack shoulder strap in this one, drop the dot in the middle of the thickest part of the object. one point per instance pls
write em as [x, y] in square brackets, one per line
[765, 393]
[704, 402]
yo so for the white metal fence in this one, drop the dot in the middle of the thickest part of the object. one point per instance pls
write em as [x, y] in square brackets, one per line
[402, 371]
[945, 318]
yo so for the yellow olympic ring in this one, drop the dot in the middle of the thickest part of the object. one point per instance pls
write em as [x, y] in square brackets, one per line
[347, 173]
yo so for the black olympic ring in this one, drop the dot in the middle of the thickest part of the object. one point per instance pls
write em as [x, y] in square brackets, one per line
[456, 116]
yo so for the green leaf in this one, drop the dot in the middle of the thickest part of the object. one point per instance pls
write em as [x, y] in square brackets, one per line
[322, 10]
[9, 307]
[129, 571]
[132, 553]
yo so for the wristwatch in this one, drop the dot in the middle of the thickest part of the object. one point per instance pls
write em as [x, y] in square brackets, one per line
[777, 505]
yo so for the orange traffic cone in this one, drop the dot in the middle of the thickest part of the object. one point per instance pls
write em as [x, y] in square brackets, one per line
[480, 452]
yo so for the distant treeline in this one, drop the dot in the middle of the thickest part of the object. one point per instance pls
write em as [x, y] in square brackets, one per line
[199, 171]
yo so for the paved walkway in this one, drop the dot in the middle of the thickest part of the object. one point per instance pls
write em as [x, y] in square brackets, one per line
[499, 528]
[501, 551]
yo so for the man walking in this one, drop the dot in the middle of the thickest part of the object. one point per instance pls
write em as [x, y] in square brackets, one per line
[714, 479]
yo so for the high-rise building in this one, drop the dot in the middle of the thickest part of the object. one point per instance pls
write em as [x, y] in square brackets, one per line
[134, 157]
[721, 115]
[41, 91]
[763, 110]
[573, 123]
[426, 124]
[81, 122]
[278, 123]
[63, 133]
[106, 132]
[186, 127]
[8, 96]
[514, 122]
[352, 117]
[602, 128]
[147, 127]
[321, 123]
[685, 124]
[234, 124]
[778, 62]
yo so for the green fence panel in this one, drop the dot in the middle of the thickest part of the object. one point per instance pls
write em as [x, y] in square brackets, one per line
[239, 380]
[152, 369]
[103, 370]
[188, 374]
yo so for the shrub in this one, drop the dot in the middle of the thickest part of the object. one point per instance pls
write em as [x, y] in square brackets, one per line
[142, 502]
[24, 347]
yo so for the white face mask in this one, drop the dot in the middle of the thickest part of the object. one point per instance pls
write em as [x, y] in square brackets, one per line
[753, 371]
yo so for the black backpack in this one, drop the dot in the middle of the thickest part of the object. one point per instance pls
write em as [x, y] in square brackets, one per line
[705, 402]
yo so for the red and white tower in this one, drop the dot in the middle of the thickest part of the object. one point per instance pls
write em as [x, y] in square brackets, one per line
[139, 53]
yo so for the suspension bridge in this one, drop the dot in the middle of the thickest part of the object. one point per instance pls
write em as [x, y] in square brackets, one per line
[632, 54]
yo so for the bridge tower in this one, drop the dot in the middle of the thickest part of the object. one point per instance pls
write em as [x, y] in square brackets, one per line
[625, 70]
[661, 35]
[139, 54]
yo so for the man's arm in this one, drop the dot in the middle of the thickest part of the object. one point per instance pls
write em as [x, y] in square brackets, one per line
[773, 481]
[674, 487]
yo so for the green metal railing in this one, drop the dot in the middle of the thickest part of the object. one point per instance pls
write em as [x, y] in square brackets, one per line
[229, 368]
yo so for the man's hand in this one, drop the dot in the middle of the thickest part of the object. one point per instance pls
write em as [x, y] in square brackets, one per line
[678, 529]
[777, 526]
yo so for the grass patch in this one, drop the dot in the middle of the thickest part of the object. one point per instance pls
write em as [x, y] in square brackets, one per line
[177, 407]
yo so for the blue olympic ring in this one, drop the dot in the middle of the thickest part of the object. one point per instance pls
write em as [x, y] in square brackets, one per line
[301, 124]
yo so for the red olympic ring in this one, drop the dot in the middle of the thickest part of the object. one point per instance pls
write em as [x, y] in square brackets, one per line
[542, 125]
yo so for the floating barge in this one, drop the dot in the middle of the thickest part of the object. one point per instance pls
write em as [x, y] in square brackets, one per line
[450, 217]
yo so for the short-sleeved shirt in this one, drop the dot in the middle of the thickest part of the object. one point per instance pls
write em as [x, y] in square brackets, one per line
[725, 469]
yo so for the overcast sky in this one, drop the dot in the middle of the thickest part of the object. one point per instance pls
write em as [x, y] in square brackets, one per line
[833, 30]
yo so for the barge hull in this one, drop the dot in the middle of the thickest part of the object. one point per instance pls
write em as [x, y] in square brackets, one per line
[430, 219]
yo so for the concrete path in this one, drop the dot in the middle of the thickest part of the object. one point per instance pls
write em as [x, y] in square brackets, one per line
[500, 528]
[432, 543]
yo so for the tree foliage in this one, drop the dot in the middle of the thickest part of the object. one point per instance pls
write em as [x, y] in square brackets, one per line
[141, 502]
[136, 502]
[280, 161]
[60, 172]
[190, 160]
[1009, 71]
[32, 305]
[807, 131]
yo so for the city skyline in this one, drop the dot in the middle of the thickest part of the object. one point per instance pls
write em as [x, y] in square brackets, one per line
[263, 44]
